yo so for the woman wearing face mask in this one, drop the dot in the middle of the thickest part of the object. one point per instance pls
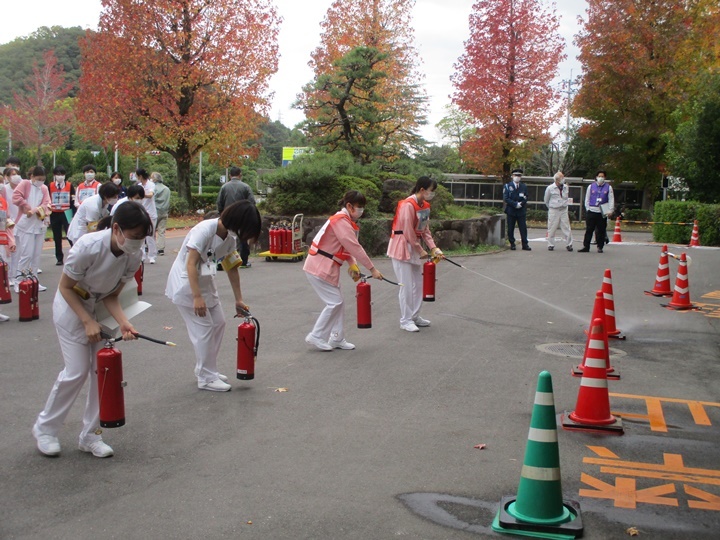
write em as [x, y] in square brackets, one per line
[88, 187]
[93, 210]
[191, 284]
[411, 223]
[116, 178]
[98, 264]
[33, 201]
[336, 242]
[62, 193]
[12, 179]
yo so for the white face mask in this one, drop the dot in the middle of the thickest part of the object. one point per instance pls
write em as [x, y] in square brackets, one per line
[112, 201]
[117, 181]
[429, 195]
[89, 176]
[356, 213]
[15, 179]
[59, 179]
[600, 180]
[37, 183]
[131, 246]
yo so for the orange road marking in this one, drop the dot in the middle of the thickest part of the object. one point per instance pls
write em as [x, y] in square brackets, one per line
[604, 452]
[709, 501]
[655, 415]
[673, 463]
[624, 493]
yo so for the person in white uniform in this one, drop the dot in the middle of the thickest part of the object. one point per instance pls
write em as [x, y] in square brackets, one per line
[191, 284]
[99, 263]
[149, 203]
[134, 193]
[32, 199]
[11, 178]
[92, 210]
[557, 199]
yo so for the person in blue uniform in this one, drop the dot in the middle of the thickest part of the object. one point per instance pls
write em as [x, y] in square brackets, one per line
[515, 195]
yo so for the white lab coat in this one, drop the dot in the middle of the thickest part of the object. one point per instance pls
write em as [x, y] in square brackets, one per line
[91, 210]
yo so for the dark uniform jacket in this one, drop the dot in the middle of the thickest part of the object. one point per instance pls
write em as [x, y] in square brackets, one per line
[512, 196]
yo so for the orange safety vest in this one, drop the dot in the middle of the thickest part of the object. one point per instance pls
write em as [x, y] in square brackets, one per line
[341, 255]
[59, 198]
[422, 213]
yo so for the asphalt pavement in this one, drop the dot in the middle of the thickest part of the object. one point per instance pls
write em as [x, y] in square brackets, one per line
[380, 442]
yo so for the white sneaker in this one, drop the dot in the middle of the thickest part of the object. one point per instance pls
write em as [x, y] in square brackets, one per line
[222, 377]
[17, 287]
[344, 344]
[4, 318]
[317, 342]
[410, 327]
[39, 271]
[42, 288]
[422, 323]
[215, 386]
[97, 448]
[47, 444]
[152, 260]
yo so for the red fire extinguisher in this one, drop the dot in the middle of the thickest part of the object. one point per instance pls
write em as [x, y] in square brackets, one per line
[429, 281]
[25, 299]
[271, 239]
[248, 342]
[36, 297]
[5, 296]
[139, 275]
[110, 386]
[364, 304]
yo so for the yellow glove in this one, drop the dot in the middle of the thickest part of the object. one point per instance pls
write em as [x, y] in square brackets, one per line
[436, 255]
[354, 272]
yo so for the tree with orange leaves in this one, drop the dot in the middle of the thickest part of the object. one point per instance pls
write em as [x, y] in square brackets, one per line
[39, 118]
[181, 76]
[641, 61]
[365, 97]
[503, 81]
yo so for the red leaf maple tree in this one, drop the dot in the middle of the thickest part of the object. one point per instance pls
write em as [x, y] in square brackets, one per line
[504, 81]
[361, 25]
[39, 117]
[181, 76]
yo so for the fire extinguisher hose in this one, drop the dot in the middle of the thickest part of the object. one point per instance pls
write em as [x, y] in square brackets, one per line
[139, 336]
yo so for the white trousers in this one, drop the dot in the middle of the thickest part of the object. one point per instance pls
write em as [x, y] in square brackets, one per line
[150, 242]
[29, 248]
[559, 216]
[331, 322]
[206, 335]
[11, 260]
[80, 361]
[410, 294]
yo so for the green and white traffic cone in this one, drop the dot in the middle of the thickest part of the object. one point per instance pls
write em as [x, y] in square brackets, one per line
[538, 510]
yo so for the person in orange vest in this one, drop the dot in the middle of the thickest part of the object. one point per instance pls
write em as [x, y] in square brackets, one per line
[7, 238]
[88, 187]
[62, 193]
[335, 243]
[411, 223]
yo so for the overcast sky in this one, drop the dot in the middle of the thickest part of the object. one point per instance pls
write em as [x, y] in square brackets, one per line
[441, 27]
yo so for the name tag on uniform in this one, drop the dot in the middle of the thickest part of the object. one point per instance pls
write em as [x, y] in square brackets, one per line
[208, 268]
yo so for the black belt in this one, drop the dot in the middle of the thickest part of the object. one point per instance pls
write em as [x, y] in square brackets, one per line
[325, 254]
[397, 232]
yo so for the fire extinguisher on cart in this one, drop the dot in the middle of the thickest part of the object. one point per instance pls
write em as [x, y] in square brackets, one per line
[248, 341]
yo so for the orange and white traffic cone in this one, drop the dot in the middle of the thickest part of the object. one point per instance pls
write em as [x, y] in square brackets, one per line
[592, 411]
[662, 279]
[681, 295]
[695, 238]
[607, 290]
[617, 237]
[598, 313]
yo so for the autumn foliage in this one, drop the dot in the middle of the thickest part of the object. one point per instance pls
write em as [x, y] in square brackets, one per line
[39, 118]
[365, 96]
[182, 76]
[503, 81]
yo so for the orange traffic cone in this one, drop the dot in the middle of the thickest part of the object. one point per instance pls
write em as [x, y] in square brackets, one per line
[617, 237]
[607, 290]
[681, 295]
[598, 313]
[592, 411]
[662, 280]
[695, 238]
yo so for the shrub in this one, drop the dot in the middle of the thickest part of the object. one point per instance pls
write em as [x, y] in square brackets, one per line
[178, 205]
[637, 214]
[674, 212]
[537, 215]
[708, 216]
[203, 201]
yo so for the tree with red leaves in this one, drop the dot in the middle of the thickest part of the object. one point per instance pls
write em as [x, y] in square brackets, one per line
[365, 97]
[503, 81]
[181, 76]
[40, 118]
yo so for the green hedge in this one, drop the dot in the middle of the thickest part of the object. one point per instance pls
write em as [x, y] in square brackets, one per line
[707, 215]
[637, 214]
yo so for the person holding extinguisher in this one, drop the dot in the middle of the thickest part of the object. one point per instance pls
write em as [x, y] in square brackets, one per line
[7, 238]
[96, 270]
[191, 284]
[335, 243]
[410, 225]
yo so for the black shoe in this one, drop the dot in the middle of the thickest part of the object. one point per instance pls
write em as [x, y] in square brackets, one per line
[550, 248]
[246, 265]
[600, 250]
[59, 263]
[512, 248]
[526, 248]
[569, 248]
[161, 252]
[584, 250]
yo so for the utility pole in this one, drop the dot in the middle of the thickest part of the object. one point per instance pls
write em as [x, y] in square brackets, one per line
[568, 90]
